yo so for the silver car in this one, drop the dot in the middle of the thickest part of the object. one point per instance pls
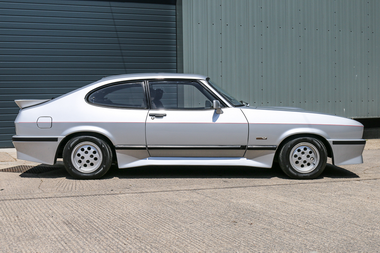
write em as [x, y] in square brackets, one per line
[178, 119]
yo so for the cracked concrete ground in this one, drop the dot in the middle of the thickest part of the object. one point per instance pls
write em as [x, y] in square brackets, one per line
[190, 209]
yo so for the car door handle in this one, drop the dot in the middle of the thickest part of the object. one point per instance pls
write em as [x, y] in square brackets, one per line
[158, 115]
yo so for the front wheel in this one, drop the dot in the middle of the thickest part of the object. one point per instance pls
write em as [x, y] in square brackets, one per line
[304, 157]
[87, 157]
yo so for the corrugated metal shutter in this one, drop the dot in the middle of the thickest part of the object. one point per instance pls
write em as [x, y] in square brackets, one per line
[318, 55]
[48, 48]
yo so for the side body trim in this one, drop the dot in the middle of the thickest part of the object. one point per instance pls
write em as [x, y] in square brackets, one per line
[35, 139]
[361, 142]
[130, 147]
[165, 147]
[262, 147]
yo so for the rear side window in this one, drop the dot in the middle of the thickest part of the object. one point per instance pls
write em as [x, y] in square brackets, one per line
[125, 95]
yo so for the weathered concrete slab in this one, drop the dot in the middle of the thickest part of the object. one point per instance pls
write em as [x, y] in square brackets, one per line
[191, 209]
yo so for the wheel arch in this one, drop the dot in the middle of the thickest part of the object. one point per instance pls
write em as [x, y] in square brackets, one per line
[295, 136]
[64, 141]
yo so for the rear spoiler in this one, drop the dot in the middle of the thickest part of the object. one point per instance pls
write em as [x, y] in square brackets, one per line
[29, 102]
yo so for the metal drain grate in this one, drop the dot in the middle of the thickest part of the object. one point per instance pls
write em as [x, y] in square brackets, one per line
[30, 169]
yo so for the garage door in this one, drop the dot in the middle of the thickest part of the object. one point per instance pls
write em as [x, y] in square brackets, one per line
[48, 48]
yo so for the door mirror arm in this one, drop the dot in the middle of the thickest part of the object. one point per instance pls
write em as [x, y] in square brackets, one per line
[216, 105]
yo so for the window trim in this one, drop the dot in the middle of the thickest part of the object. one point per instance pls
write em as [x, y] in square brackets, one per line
[212, 93]
[145, 84]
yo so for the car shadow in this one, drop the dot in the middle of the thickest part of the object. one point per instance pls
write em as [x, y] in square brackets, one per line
[332, 171]
[58, 171]
[195, 172]
[42, 171]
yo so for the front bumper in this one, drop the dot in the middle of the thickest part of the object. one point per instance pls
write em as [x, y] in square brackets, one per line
[347, 151]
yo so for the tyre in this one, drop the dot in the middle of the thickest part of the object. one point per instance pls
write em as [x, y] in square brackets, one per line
[303, 158]
[87, 157]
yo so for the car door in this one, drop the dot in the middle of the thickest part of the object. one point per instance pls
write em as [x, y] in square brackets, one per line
[182, 122]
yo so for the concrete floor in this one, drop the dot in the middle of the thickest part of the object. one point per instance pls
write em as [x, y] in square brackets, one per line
[190, 209]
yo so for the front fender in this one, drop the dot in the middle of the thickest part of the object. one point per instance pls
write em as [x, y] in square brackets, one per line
[302, 131]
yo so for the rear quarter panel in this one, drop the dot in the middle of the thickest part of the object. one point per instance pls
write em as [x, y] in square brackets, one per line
[72, 114]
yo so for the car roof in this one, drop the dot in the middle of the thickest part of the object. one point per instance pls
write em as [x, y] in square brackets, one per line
[154, 76]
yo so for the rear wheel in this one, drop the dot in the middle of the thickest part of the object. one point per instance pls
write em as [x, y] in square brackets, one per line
[304, 157]
[87, 157]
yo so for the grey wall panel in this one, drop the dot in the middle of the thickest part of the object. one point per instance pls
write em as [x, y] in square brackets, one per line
[319, 55]
[48, 48]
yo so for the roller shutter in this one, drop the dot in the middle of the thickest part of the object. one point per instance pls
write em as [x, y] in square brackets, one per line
[48, 48]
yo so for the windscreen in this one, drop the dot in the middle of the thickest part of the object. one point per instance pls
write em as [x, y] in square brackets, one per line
[233, 101]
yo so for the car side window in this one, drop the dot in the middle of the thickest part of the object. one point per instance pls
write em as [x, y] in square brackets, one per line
[125, 95]
[179, 94]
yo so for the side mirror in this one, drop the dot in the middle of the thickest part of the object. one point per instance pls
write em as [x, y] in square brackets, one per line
[216, 105]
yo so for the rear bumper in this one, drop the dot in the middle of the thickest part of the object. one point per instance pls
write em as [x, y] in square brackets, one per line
[36, 149]
[347, 151]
